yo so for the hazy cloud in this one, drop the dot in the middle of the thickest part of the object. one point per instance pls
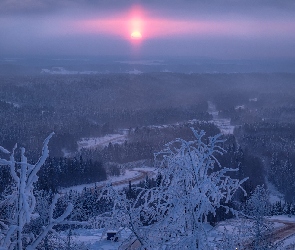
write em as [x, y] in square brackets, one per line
[11, 7]
[232, 28]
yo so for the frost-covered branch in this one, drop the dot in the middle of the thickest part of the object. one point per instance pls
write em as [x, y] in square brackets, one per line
[24, 176]
[193, 184]
[52, 222]
[22, 201]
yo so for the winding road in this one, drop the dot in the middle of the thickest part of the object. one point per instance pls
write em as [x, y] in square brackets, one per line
[141, 176]
[284, 232]
[277, 235]
[142, 173]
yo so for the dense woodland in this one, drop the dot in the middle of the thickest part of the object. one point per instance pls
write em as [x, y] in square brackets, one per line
[75, 106]
[261, 106]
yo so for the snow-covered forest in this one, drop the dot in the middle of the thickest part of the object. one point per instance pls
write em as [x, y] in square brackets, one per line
[147, 161]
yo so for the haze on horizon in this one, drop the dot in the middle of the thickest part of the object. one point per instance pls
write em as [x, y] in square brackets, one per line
[225, 29]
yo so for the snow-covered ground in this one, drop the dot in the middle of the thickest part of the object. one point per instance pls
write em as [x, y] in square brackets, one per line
[274, 194]
[93, 142]
[286, 234]
[135, 175]
[134, 72]
[289, 243]
[282, 218]
[120, 137]
[14, 104]
[222, 123]
[63, 71]
[192, 122]
[95, 239]
[282, 226]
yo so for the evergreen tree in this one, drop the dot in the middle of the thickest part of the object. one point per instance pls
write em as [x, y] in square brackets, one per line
[257, 207]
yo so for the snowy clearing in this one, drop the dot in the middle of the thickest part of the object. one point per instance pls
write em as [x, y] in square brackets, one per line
[96, 240]
[222, 123]
[135, 175]
[93, 142]
[283, 218]
[134, 72]
[63, 71]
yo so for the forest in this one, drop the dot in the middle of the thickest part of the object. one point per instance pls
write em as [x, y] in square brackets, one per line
[166, 124]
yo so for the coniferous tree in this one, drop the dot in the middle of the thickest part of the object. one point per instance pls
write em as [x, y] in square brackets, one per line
[257, 207]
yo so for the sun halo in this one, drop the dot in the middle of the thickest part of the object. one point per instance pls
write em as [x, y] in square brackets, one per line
[136, 35]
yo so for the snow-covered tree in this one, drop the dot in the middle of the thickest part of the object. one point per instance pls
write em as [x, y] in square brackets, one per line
[22, 202]
[292, 209]
[257, 207]
[286, 208]
[174, 213]
[230, 239]
[194, 184]
[124, 212]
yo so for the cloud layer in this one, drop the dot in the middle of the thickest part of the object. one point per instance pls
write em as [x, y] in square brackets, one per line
[220, 28]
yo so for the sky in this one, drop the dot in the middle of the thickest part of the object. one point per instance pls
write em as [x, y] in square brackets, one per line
[221, 29]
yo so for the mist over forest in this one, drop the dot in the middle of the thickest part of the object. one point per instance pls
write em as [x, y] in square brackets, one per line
[108, 124]
[259, 106]
[147, 125]
[105, 124]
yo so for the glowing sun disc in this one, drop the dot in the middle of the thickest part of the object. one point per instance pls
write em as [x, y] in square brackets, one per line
[136, 35]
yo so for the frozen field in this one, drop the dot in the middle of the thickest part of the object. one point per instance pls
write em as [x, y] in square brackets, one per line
[95, 239]
[93, 142]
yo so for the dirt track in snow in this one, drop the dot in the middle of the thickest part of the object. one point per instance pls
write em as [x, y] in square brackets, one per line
[279, 234]
[283, 232]
[141, 176]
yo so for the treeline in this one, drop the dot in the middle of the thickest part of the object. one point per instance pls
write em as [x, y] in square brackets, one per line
[89, 106]
[62, 172]
[29, 126]
[143, 142]
[66, 172]
[266, 128]
[282, 173]
[248, 165]
[84, 106]
[273, 143]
